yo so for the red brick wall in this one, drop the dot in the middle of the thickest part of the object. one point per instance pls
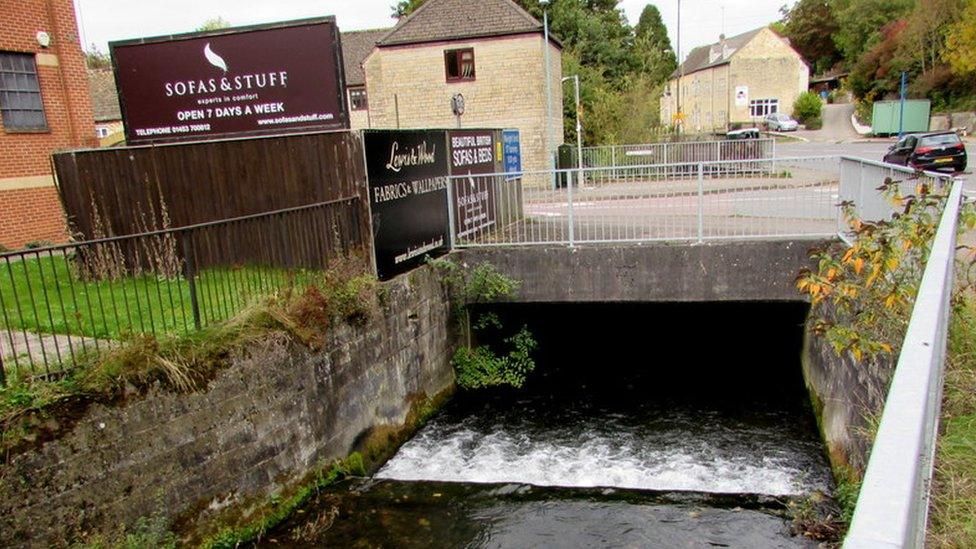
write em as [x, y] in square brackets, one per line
[31, 215]
[67, 106]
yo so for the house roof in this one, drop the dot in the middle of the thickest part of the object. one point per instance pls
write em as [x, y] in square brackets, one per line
[438, 20]
[713, 55]
[105, 99]
[356, 45]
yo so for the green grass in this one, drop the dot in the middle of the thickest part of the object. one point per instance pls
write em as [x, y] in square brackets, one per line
[45, 296]
[953, 511]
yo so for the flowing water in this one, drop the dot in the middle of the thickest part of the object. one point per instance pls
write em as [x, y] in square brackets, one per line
[634, 431]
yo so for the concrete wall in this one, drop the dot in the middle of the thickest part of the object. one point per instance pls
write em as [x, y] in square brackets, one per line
[728, 271]
[509, 90]
[264, 422]
[848, 396]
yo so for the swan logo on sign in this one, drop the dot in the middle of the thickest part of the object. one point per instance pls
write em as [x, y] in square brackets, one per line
[214, 59]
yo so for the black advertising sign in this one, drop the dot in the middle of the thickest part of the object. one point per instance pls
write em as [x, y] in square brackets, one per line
[266, 79]
[473, 153]
[407, 173]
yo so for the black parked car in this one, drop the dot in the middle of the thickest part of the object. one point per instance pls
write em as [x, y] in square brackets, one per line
[929, 151]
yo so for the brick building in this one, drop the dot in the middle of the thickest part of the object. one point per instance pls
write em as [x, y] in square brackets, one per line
[736, 80]
[44, 106]
[492, 52]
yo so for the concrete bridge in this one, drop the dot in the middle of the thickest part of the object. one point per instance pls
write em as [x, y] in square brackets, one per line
[748, 270]
[734, 231]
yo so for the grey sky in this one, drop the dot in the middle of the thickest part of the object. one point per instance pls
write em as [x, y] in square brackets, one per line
[101, 21]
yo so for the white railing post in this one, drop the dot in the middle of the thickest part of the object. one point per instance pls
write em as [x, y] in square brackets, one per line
[569, 194]
[701, 202]
[450, 211]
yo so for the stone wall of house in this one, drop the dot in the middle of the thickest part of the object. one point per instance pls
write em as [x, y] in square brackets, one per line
[407, 86]
[262, 424]
[772, 70]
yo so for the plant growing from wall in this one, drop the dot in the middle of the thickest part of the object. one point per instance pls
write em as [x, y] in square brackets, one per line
[862, 295]
[485, 365]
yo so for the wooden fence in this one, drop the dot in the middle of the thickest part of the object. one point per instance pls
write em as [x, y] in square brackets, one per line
[130, 190]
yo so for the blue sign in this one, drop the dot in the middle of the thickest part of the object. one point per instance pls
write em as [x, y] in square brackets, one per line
[512, 152]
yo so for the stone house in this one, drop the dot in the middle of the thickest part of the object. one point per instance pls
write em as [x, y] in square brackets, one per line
[491, 52]
[735, 80]
[356, 46]
[44, 106]
[105, 106]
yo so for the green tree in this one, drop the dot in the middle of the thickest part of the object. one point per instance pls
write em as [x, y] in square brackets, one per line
[97, 59]
[807, 107]
[214, 23]
[960, 51]
[860, 23]
[809, 26]
[653, 47]
[404, 8]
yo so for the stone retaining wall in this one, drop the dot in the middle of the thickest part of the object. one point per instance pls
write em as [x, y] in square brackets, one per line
[262, 424]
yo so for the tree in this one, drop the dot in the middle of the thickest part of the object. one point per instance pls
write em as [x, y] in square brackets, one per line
[404, 8]
[97, 59]
[809, 26]
[860, 23]
[960, 51]
[214, 23]
[653, 47]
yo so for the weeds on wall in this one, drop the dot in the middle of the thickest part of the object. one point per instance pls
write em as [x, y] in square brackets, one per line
[482, 366]
[35, 409]
[862, 296]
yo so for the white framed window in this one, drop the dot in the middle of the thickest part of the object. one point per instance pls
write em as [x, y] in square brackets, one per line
[762, 107]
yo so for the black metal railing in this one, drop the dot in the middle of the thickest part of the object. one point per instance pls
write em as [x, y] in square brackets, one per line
[59, 302]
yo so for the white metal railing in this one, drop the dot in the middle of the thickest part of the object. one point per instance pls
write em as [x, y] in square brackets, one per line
[677, 152]
[782, 197]
[892, 509]
[860, 179]
[699, 201]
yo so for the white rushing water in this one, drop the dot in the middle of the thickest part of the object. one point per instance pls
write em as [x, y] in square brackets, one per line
[709, 454]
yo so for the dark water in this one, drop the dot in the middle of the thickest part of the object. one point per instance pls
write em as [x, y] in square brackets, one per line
[643, 426]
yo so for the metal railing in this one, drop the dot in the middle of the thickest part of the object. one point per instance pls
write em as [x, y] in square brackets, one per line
[778, 197]
[729, 199]
[676, 152]
[61, 302]
[860, 179]
[892, 509]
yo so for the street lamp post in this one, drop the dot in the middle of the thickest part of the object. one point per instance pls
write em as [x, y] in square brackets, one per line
[547, 139]
[579, 129]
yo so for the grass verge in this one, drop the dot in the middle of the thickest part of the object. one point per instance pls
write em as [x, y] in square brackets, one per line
[34, 410]
[952, 515]
[45, 295]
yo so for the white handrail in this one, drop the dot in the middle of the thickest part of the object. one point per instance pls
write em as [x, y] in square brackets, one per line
[892, 508]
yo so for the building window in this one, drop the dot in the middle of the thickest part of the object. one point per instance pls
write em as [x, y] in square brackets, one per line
[762, 107]
[459, 64]
[20, 93]
[101, 132]
[357, 99]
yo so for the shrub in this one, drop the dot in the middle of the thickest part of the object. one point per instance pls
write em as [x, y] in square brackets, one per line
[814, 123]
[807, 107]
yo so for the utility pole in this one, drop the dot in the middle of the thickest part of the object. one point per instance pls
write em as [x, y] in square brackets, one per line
[547, 141]
[680, 117]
